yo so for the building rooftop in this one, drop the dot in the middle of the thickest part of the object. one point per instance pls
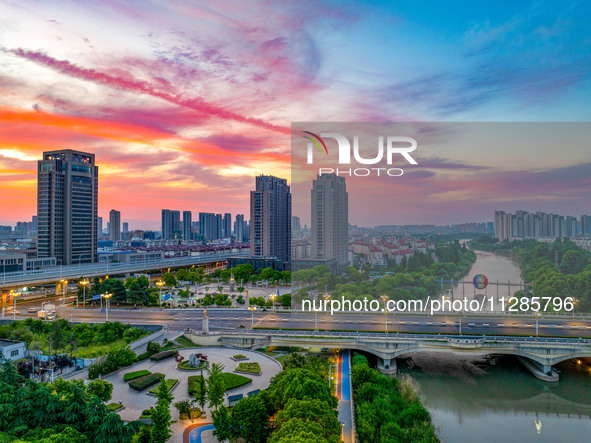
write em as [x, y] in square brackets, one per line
[5, 342]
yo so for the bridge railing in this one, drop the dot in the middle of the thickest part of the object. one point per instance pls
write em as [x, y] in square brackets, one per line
[406, 336]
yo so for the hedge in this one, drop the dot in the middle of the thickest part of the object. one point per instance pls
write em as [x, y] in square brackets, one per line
[139, 384]
[144, 355]
[135, 374]
[162, 355]
[252, 368]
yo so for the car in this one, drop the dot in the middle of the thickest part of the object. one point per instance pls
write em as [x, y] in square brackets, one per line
[32, 310]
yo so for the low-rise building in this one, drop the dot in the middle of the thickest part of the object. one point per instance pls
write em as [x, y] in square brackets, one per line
[12, 350]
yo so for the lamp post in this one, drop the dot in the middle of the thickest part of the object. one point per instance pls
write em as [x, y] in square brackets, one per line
[63, 282]
[272, 297]
[252, 309]
[83, 283]
[160, 283]
[14, 296]
[107, 297]
[575, 302]
[385, 300]
[460, 322]
[538, 315]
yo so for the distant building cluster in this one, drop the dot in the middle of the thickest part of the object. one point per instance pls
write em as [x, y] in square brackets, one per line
[377, 251]
[523, 224]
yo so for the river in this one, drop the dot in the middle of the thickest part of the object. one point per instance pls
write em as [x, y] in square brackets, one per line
[495, 399]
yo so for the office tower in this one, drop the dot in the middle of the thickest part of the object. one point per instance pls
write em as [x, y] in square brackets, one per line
[125, 227]
[227, 225]
[67, 204]
[330, 219]
[115, 225]
[296, 228]
[240, 228]
[99, 227]
[177, 230]
[270, 218]
[586, 224]
[187, 225]
[166, 224]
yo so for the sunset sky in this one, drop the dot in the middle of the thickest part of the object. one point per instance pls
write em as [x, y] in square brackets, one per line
[183, 103]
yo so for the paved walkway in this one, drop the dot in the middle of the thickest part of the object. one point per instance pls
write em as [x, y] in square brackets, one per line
[344, 395]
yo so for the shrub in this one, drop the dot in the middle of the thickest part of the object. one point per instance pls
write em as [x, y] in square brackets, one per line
[153, 347]
[239, 356]
[184, 365]
[141, 383]
[115, 359]
[163, 355]
[135, 374]
[144, 355]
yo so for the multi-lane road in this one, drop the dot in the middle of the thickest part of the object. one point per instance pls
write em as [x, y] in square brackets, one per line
[179, 319]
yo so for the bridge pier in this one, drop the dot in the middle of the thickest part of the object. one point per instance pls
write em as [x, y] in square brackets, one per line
[540, 371]
[387, 365]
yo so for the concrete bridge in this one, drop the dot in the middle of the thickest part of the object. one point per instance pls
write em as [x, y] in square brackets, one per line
[537, 354]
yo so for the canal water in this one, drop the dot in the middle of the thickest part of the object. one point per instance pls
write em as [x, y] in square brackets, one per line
[493, 398]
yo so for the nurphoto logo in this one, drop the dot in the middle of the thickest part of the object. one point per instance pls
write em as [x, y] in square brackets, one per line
[387, 148]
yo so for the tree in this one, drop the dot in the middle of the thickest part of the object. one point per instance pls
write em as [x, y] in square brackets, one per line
[216, 387]
[201, 396]
[101, 388]
[294, 360]
[137, 294]
[184, 407]
[115, 287]
[161, 418]
[222, 421]
[169, 279]
[153, 347]
[114, 430]
[250, 420]
[182, 275]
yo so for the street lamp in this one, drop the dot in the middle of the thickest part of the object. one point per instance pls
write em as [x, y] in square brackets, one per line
[14, 296]
[272, 297]
[160, 283]
[461, 322]
[252, 309]
[83, 283]
[63, 282]
[107, 296]
[385, 300]
[538, 315]
[575, 302]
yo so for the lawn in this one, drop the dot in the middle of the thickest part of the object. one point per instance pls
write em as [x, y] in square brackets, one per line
[184, 342]
[114, 406]
[231, 381]
[239, 357]
[252, 368]
[170, 382]
[266, 351]
[135, 374]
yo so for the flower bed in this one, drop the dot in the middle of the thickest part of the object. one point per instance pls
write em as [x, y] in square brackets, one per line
[184, 366]
[139, 384]
[135, 374]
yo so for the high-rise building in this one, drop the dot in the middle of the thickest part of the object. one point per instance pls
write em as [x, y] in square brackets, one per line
[270, 218]
[177, 230]
[227, 225]
[240, 228]
[210, 226]
[166, 224]
[125, 227]
[187, 225]
[296, 228]
[586, 224]
[99, 227]
[114, 225]
[67, 205]
[330, 219]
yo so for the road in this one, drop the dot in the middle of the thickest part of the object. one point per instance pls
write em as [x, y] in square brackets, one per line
[345, 396]
[223, 318]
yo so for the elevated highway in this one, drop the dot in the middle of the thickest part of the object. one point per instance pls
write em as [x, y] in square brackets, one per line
[11, 280]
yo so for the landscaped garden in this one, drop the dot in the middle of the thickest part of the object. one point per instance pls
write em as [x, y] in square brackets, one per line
[185, 366]
[135, 374]
[231, 381]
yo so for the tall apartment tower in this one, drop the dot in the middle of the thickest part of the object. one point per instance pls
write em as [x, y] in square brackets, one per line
[270, 218]
[187, 225]
[67, 206]
[240, 228]
[166, 224]
[99, 227]
[227, 225]
[330, 219]
[114, 225]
